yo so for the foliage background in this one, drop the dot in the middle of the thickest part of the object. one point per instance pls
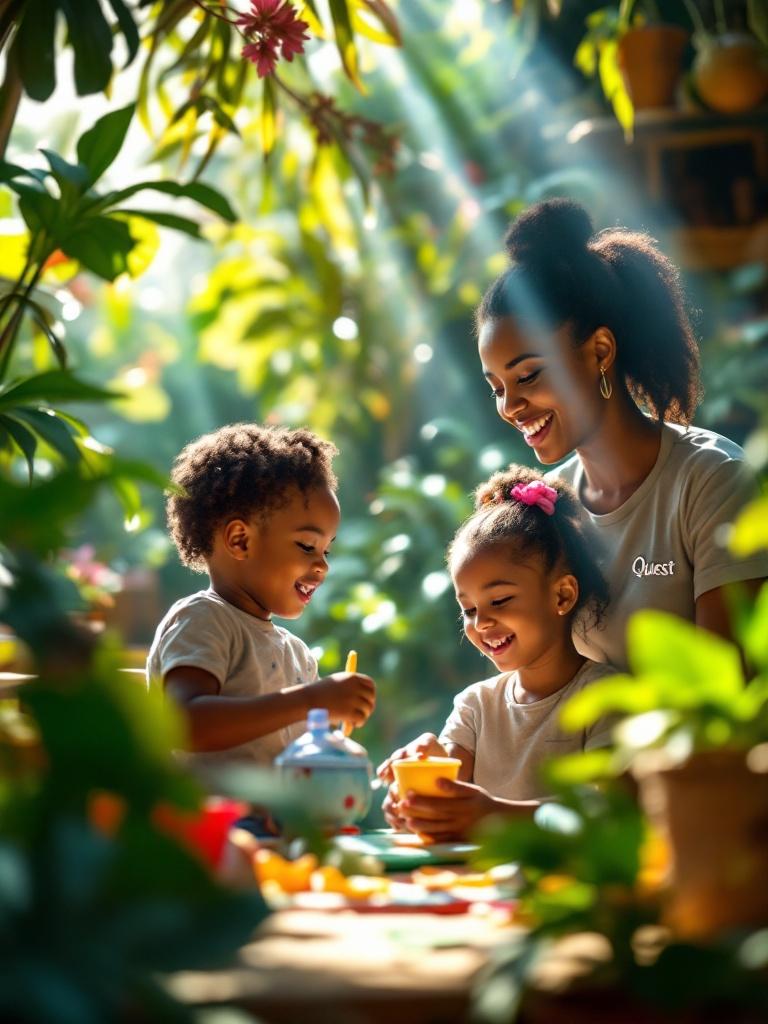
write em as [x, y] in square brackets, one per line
[344, 302]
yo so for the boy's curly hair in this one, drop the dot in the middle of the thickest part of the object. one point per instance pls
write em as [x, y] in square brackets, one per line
[237, 472]
[558, 539]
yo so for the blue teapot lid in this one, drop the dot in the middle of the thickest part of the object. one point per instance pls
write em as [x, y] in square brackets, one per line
[320, 747]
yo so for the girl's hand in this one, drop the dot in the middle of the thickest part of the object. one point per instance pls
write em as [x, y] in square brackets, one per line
[391, 809]
[349, 696]
[426, 745]
[447, 817]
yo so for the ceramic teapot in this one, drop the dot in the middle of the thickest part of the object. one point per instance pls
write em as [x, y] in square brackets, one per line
[331, 771]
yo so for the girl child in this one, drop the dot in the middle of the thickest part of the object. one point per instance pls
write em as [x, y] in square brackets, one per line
[589, 353]
[523, 576]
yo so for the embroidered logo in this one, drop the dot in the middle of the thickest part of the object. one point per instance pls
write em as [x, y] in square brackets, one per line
[642, 568]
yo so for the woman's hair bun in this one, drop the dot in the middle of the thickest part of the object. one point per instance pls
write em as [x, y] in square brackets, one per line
[550, 230]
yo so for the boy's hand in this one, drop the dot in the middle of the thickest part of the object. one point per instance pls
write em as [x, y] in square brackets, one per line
[446, 817]
[426, 745]
[348, 696]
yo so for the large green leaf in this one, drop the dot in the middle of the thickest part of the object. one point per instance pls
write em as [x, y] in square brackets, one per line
[52, 386]
[205, 195]
[55, 432]
[98, 147]
[66, 174]
[102, 245]
[128, 28]
[91, 38]
[662, 644]
[24, 439]
[38, 208]
[34, 50]
[619, 693]
[165, 220]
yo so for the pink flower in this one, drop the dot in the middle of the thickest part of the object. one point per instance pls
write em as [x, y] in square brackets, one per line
[263, 54]
[269, 25]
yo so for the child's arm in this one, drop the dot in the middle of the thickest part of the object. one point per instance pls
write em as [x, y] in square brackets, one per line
[216, 722]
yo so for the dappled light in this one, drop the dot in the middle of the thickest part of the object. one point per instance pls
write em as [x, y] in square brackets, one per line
[475, 246]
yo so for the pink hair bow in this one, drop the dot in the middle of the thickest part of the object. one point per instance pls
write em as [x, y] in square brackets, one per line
[536, 493]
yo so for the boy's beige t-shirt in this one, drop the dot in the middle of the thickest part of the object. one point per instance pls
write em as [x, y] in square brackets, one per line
[664, 547]
[510, 741]
[250, 657]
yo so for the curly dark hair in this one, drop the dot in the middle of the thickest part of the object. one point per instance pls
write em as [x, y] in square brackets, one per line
[562, 273]
[558, 539]
[236, 472]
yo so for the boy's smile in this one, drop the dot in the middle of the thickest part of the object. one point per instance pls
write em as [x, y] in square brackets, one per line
[274, 563]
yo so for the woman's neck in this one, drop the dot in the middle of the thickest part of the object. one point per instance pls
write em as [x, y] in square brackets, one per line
[618, 456]
[549, 673]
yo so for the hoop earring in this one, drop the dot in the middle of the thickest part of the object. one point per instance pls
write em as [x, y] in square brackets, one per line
[606, 388]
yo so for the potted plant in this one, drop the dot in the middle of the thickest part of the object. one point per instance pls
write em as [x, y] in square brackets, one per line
[638, 56]
[696, 738]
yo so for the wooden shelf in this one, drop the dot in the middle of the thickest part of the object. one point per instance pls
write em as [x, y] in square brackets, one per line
[701, 179]
[715, 248]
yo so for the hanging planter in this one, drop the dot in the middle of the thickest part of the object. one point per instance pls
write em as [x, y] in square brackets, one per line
[650, 59]
[730, 72]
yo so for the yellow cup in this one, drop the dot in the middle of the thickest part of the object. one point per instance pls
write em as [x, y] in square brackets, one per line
[420, 774]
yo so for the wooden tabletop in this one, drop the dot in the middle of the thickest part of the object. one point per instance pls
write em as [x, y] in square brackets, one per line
[350, 967]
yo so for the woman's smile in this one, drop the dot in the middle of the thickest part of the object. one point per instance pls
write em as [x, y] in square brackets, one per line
[534, 430]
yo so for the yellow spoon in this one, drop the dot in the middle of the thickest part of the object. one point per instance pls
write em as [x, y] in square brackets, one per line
[351, 666]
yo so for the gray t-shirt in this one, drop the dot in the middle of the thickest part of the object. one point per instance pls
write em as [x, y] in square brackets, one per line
[511, 741]
[664, 547]
[250, 657]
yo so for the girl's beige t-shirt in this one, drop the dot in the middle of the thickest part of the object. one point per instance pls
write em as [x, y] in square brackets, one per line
[666, 545]
[511, 741]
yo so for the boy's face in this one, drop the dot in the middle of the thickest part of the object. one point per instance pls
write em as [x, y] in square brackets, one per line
[276, 562]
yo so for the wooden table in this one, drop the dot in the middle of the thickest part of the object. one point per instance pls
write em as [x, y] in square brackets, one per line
[349, 968]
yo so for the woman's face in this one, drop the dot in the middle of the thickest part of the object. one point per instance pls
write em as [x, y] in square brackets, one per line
[544, 385]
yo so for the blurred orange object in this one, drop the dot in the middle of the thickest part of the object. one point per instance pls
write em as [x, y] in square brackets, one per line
[290, 875]
[105, 811]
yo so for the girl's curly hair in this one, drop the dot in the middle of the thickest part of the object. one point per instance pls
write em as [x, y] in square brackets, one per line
[558, 539]
[237, 472]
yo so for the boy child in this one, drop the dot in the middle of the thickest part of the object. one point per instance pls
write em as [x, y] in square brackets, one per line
[258, 512]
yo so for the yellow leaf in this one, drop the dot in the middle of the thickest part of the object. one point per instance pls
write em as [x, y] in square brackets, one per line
[749, 534]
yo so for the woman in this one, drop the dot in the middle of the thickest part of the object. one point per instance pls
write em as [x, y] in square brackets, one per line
[588, 351]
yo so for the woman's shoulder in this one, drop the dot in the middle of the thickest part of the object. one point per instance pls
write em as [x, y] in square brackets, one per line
[702, 449]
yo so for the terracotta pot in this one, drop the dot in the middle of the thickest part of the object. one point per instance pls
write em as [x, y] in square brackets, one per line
[713, 812]
[650, 60]
[730, 73]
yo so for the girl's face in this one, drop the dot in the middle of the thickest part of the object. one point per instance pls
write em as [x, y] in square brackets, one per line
[513, 611]
[545, 386]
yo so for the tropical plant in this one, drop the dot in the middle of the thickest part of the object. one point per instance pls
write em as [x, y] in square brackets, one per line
[590, 866]
[80, 224]
[201, 56]
[686, 690]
